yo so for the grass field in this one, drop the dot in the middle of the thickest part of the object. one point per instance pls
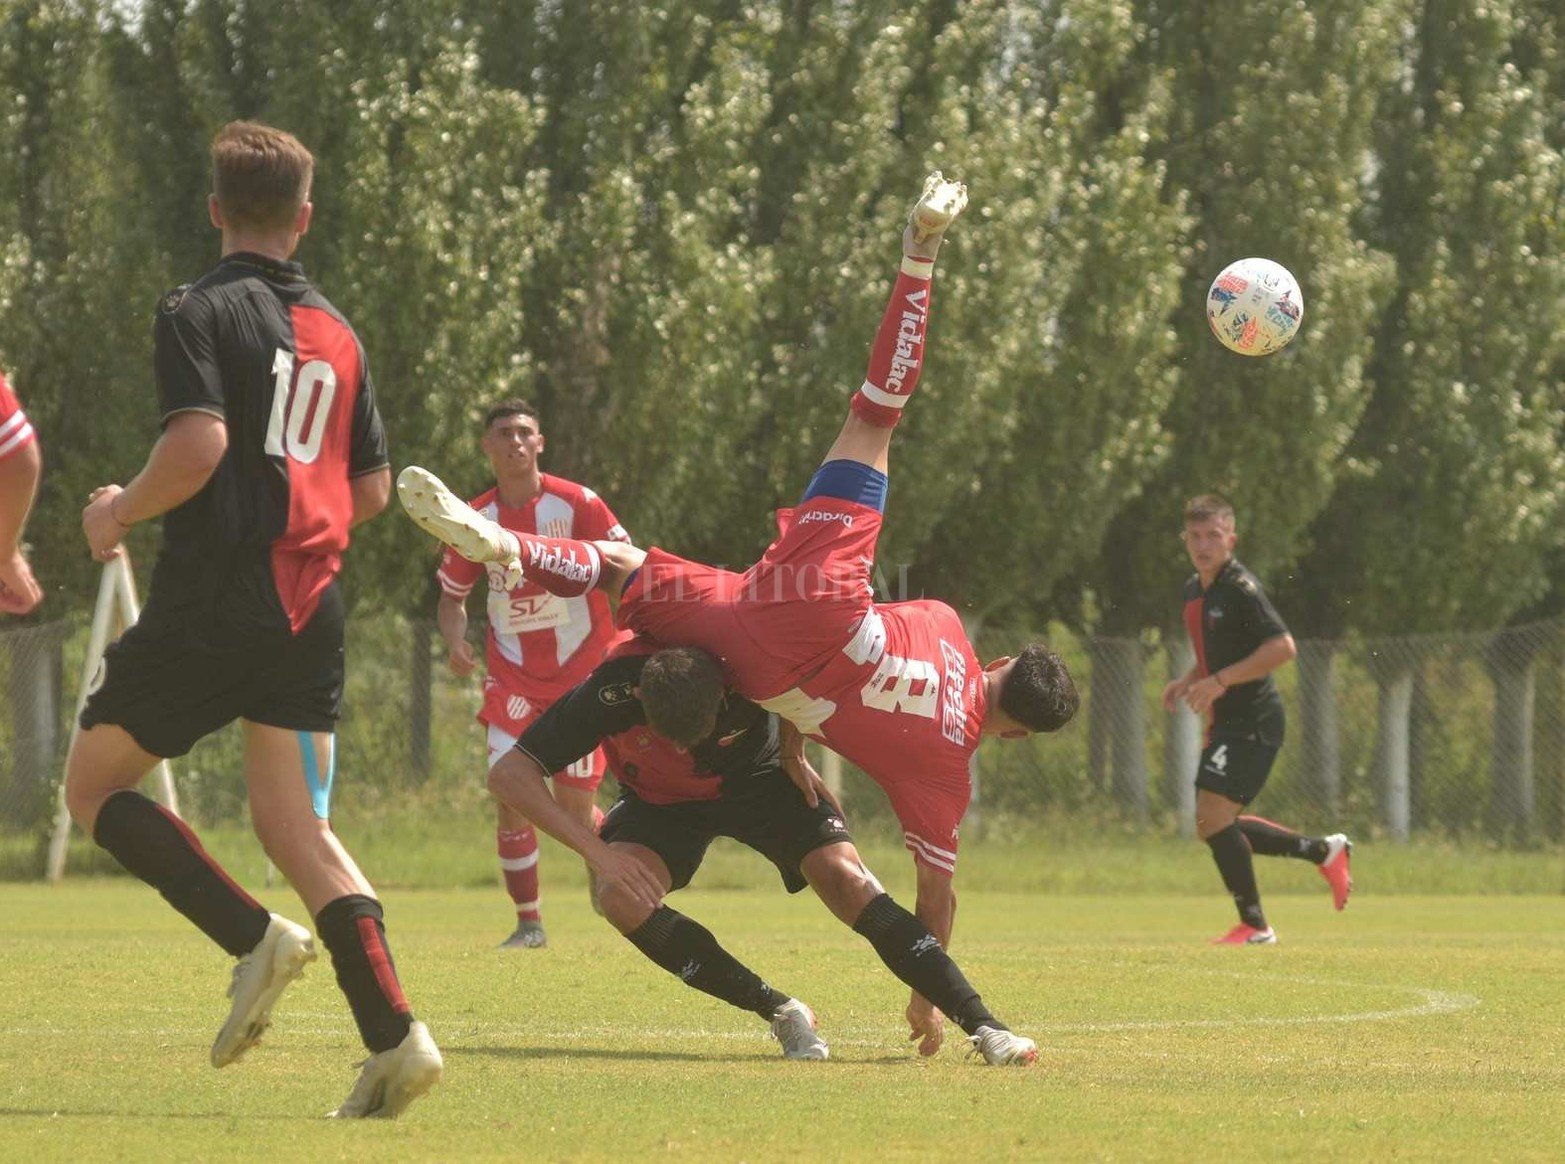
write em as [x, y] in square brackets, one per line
[1409, 1027]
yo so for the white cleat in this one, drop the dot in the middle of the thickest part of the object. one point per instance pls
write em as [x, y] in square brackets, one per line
[445, 516]
[391, 1080]
[1002, 1048]
[793, 1025]
[259, 980]
[937, 207]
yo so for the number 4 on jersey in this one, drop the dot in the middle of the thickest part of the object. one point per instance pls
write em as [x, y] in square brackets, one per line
[300, 408]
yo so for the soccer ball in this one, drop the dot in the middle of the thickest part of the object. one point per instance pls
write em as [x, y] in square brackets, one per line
[1254, 307]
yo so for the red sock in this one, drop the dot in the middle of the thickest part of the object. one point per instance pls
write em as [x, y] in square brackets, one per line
[562, 566]
[519, 862]
[898, 354]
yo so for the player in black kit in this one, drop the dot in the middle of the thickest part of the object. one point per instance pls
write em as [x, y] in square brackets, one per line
[272, 449]
[743, 780]
[1239, 641]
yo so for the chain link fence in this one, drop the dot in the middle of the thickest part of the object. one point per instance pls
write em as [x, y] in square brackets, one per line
[1457, 737]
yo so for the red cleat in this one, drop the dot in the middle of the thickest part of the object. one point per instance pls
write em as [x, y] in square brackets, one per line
[1246, 935]
[1335, 868]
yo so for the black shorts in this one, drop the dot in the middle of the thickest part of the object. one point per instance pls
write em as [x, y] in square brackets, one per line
[1236, 768]
[768, 814]
[168, 682]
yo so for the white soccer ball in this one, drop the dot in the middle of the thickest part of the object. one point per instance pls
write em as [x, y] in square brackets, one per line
[1254, 307]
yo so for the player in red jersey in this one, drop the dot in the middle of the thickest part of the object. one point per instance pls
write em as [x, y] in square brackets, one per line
[894, 687]
[272, 450]
[539, 644]
[20, 466]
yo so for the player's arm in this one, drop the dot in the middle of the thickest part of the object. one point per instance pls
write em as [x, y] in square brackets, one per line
[572, 727]
[183, 460]
[370, 492]
[797, 764]
[1176, 689]
[19, 473]
[451, 619]
[1276, 648]
[936, 908]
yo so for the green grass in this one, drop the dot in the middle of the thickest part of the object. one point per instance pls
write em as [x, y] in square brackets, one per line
[1411, 1026]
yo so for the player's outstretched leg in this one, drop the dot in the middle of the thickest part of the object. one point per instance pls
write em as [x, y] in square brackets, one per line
[1331, 855]
[563, 566]
[897, 357]
[839, 877]
[689, 951]
[161, 849]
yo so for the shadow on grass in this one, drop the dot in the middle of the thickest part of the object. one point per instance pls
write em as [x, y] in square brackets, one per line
[632, 1056]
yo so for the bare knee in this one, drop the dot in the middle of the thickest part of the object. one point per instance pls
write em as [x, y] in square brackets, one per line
[103, 760]
[841, 880]
[623, 912]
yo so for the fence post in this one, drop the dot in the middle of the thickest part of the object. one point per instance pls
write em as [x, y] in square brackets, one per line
[1117, 694]
[1512, 803]
[420, 699]
[1393, 729]
[1321, 743]
[1182, 739]
[1099, 728]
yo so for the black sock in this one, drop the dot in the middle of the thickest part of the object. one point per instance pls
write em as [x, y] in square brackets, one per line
[1270, 839]
[1232, 853]
[906, 946]
[354, 930]
[158, 847]
[687, 950]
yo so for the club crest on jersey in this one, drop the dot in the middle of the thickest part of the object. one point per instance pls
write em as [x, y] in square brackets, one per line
[1214, 616]
[616, 694]
[517, 707]
[170, 302]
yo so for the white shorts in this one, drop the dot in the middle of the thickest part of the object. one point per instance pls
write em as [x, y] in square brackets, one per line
[586, 772]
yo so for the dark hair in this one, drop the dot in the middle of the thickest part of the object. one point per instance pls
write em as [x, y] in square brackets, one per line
[681, 691]
[260, 175]
[512, 407]
[1207, 507]
[1038, 692]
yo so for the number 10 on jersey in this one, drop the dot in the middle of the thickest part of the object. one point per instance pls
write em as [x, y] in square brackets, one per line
[296, 403]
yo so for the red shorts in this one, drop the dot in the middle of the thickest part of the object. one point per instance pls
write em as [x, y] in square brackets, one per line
[504, 730]
[782, 620]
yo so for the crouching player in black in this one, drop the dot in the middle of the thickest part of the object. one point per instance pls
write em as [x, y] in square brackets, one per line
[736, 783]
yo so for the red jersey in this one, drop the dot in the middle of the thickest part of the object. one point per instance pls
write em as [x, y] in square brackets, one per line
[16, 433]
[539, 644]
[895, 688]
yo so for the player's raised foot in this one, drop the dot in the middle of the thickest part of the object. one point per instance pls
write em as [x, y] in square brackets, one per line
[1339, 850]
[259, 980]
[445, 516]
[935, 210]
[529, 935]
[793, 1025]
[391, 1080]
[1247, 935]
[1003, 1048]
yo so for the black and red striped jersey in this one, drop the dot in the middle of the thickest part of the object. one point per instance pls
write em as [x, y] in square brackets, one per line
[1227, 621]
[252, 341]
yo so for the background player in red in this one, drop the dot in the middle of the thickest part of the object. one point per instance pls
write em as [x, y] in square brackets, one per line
[539, 644]
[20, 466]
[272, 448]
[1239, 640]
[895, 687]
[675, 800]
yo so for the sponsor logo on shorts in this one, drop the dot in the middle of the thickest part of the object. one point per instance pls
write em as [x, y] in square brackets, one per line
[819, 515]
